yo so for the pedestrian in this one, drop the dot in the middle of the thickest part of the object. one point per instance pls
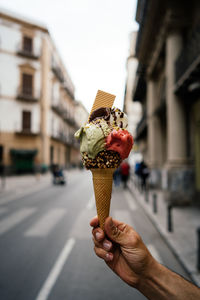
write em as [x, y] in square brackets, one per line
[143, 172]
[117, 177]
[123, 250]
[125, 171]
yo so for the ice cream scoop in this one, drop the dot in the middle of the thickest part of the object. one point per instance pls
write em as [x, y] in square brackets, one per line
[105, 131]
[120, 141]
[114, 116]
[92, 137]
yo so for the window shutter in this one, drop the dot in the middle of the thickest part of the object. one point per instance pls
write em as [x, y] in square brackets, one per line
[27, 84]
[26, 120]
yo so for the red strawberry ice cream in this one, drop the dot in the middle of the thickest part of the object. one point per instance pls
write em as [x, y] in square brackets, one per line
[120, 141]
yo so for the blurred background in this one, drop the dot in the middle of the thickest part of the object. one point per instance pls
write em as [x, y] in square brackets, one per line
[54, 56]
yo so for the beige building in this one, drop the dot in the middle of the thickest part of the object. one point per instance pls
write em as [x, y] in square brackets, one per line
[168, 86]
[37, 104]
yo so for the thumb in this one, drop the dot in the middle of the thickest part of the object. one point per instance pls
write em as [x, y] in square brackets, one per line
[116, 231]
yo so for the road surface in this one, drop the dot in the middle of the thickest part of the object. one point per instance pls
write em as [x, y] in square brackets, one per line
[46, 250]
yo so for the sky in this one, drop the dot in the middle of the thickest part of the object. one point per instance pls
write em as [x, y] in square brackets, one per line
[92, 38]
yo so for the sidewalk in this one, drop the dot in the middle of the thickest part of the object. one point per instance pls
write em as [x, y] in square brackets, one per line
[22, 185]
[185, 221]
[25, 184]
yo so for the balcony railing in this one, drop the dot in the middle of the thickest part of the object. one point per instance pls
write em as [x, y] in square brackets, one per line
[32, 53]
[63, 137]
[68, 118]
[64, 114]
[27, 94]
[32, 131]
[68, 90]
[189, 58]
[58, 108]
[57, 71]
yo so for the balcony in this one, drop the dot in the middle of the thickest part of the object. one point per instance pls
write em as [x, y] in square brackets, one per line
[63, 137]
[64, 114]
[68, 118]
[27, 94]
[32, 131]
[187, 66]
[58, 109]
[57, 71]
[28, 53]
[141, 129]
[68, 90]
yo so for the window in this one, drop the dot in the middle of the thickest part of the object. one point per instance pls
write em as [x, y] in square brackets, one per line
[26, 120]
[27, 84]
[27, 44]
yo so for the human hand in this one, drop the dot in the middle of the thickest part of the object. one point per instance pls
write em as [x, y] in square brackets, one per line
[123, 250]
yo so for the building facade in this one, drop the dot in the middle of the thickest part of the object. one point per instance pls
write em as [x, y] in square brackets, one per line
[168, 86]
[37, 105]
[132, 109]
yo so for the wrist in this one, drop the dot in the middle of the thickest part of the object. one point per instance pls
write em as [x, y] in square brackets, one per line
[149, 276]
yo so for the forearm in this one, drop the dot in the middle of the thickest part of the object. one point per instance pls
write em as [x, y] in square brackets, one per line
[162, 284]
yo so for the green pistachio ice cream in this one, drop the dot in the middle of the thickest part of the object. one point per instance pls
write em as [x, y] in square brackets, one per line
[92, 137]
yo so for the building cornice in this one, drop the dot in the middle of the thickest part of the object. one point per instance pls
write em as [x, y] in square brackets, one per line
[21, 21]
[159, 19]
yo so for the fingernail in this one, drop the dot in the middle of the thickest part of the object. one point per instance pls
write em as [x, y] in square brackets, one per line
[106, 245]
[98, 235]
[109, 256]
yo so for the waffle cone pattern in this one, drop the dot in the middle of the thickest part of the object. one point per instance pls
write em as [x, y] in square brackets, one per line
[102, 183]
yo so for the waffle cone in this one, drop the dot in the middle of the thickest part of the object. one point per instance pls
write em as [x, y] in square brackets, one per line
[102, 183]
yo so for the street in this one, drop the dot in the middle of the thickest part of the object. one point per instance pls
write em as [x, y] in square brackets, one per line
[47, 250]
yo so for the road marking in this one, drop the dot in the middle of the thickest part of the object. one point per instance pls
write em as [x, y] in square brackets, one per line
[56, 270]
[91, 203]
[131, 202]
[154, 252]
[46, 223]
[16, 218]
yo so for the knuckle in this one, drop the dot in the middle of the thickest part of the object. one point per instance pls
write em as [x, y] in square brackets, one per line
[115, 231]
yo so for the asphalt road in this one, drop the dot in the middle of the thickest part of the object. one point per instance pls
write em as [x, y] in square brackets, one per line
[46, 251]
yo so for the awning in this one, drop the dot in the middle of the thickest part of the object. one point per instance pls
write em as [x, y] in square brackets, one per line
[23, 152]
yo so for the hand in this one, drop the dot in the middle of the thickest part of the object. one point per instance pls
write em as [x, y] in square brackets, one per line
[123, 250]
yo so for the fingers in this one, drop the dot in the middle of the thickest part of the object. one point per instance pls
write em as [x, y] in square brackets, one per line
[107, 256]
[105, 244]
[102, 246]
[94, 222]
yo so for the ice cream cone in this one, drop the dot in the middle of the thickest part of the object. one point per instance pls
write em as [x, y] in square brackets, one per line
[102, 183]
